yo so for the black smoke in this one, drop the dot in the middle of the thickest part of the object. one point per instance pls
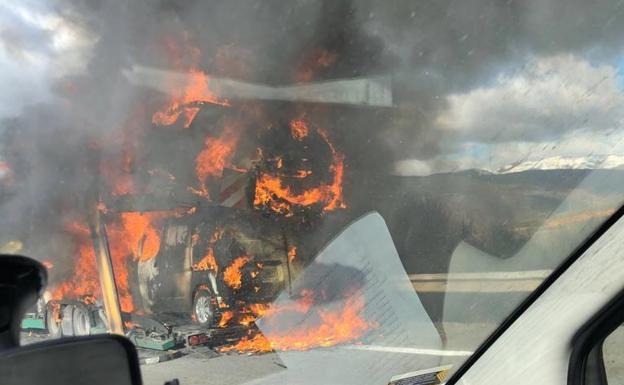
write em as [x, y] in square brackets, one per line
[431, 48]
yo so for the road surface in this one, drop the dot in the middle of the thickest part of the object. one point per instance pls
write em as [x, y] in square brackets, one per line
[207, 367]
[233, 369]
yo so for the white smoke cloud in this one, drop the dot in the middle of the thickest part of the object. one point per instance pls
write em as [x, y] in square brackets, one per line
[38, 45]
[560, 105]
[549, 97]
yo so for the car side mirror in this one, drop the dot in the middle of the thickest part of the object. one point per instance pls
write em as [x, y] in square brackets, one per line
[93, 360]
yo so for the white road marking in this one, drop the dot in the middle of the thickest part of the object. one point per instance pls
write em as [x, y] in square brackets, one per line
[396, 349]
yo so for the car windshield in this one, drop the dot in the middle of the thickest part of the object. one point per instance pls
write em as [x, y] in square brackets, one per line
[310, 191]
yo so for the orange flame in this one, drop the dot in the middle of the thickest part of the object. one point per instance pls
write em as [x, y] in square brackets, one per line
[132, 236]
[216, 155]
[84, 280]
[232, 274]
[271, 192]
[225, 318]
[247, 319]
[209, 262]
[196, 90]
[317, 61]
[292, 253]
[328, 328]
[337, 168]
[259, 309]
[118, 172]
[301, 305]
[299, 129]
[138, 232]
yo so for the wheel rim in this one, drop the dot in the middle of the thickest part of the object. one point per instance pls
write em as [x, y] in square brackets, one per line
[53, 326]
[81, 322]
[203, 310]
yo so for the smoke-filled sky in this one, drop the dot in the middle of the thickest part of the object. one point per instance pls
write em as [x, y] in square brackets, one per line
[478, 83]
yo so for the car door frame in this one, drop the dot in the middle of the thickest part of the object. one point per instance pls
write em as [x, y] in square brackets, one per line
[588, 342]
[528, 302]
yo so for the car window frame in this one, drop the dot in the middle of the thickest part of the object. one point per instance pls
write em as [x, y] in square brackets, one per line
[588, 341]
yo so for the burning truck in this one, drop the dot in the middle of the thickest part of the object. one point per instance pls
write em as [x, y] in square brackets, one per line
[219, 241]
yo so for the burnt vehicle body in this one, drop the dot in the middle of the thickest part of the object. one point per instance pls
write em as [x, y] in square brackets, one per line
[176, 281]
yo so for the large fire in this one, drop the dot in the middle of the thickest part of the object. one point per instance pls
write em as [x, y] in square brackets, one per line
[323, 327]
[135, 237]
[132, 237]
[272, 191]
[138, 232]
[85, 280]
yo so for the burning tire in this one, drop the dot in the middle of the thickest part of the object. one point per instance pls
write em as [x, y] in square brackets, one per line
[81, 321]
[203, 308]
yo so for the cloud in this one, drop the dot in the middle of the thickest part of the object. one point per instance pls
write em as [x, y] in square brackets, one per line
[549, 97]
[38, 46]
[412, 167]
[496, 156]
[555, 105]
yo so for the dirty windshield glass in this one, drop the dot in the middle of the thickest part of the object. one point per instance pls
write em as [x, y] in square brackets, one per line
[327, 192]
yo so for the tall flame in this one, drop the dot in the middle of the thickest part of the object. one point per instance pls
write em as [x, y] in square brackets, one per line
[132, 236]
[232, 274]
[184, 101]
[140, 233]
[216, 155]
[209, 262]
[84, 281]
[135, 237]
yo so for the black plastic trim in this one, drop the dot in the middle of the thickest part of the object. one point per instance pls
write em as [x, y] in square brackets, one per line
[565, 264]
[133, 358]
[591, 336]
[129, 348]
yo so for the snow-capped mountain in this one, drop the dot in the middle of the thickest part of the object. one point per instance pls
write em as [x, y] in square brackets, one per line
[565, 163]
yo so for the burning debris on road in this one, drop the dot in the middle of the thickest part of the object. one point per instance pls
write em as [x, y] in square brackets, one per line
[328, 327]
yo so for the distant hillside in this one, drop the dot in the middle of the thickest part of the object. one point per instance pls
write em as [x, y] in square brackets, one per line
[497, 213]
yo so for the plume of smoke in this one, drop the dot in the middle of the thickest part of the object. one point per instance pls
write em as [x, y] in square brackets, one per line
[432, 48]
